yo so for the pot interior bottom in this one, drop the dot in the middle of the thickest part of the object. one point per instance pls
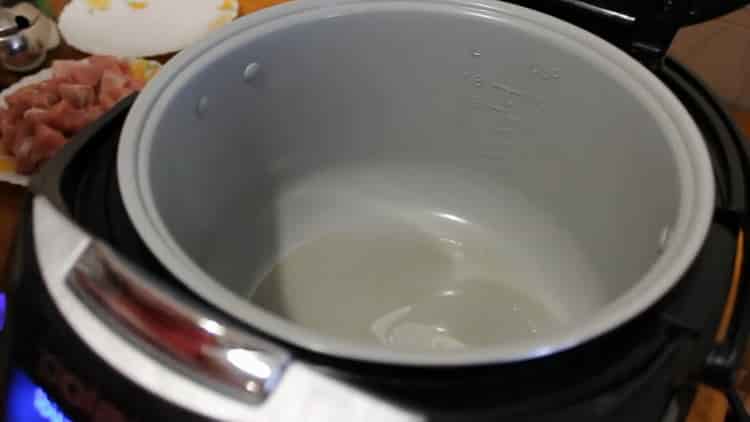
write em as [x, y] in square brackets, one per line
[421, 258]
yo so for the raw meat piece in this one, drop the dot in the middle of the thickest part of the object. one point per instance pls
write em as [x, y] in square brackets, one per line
[48, 138]
[113, 88]
[76, 71]
[137, 84]
[110, 63]
[37, 115]
[24, 131]
[95, 111]
[39, 118]
[63, 69]
[23, 98]
[46, 96]
[78, 95]
[67, 118]
[32, 151]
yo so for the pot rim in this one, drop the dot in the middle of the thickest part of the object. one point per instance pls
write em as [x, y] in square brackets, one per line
[685, 140]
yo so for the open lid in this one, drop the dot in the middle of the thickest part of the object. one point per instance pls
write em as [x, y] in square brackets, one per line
[643, 28]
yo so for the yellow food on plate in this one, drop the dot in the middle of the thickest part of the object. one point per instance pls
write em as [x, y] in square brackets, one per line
[99, 4]
[7, 164]
[137, 4]
[221, 21]
[143, 70]
[229, 6]
[250, 6]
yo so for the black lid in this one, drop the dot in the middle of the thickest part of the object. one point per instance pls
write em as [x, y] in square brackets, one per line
[644, 28]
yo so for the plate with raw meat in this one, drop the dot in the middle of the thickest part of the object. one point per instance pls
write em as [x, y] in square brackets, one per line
[41, 112]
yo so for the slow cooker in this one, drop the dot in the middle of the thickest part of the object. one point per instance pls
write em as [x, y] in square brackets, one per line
[393, 210]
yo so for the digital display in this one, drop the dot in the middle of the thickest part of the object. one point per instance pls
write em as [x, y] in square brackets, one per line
[27, 402]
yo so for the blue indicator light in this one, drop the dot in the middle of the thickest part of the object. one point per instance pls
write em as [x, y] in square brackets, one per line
[46, 408]
[3, 305]
[27, 402]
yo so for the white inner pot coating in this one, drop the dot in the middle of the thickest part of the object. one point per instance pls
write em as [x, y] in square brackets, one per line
[431, 179]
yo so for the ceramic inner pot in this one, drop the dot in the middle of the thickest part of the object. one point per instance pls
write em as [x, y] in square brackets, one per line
[417, 182]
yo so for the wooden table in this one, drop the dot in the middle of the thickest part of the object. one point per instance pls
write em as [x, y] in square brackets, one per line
[11, 198]
[711, 407]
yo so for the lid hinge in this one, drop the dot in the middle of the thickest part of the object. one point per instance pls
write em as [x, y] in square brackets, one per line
[651, 55]
[655, 29]
[643, 28]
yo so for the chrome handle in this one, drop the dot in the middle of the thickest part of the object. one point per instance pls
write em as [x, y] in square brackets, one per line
[182, 333]
[198, 343]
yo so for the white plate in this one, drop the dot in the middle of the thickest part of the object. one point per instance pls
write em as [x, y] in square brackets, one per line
[162, 27]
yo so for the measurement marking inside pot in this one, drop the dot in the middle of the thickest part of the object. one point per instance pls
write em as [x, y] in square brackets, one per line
[478, 103]
[546, 73]
[517, 93]
[497, 108]
[508, 89]
[475, 78]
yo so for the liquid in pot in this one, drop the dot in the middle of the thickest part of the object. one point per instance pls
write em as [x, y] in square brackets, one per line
[388, 268]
